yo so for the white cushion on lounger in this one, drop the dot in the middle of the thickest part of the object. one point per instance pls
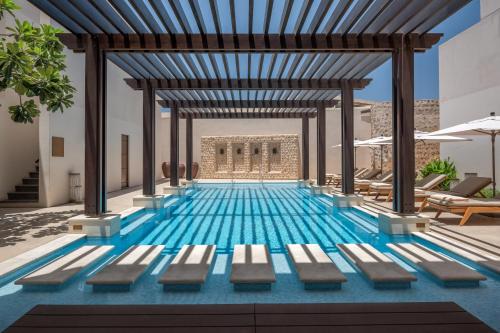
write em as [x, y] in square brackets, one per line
[444, 198]
[464, 202]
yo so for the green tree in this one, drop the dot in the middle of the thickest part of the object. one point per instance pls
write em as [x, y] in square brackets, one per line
[31, 64]
[444, 167]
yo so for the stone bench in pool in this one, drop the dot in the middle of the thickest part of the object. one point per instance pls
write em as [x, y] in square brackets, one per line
[60, 271]
[125, 270]
[382, 271]
[189, 269]
[449, 272]
[252, 268]
[314, 267]
[481, 253]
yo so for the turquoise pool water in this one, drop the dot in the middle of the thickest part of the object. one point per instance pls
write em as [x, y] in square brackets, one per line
[229, 214]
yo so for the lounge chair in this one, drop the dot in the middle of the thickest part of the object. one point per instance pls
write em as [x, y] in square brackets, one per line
[125, 270]
[465, 189]
[314, 267]
[332, 177]
[252, 268]
[363, 185]
[367, 175]
[479, 252]
[427, 183]
[382, 271]
[189, 269]
[449, 272]
[57, 273]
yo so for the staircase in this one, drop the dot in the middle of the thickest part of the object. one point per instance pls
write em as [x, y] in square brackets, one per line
[26, 192]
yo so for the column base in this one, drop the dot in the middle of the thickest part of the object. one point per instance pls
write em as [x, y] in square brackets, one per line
[175, 190]
[402, 224]
[189, 183]
[105, 225]
[149, 201]
[303, 183]
[347, 200]
[318, 190]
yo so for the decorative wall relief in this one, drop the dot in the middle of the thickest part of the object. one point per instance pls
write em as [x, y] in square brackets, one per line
[250, 157]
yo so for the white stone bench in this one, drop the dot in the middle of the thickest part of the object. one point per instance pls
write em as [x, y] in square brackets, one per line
[13, 264]
[314, 267]
[189, 269]
[449, 272]
[252, 268]
[60, 271]
[125, 270]
[382, 271]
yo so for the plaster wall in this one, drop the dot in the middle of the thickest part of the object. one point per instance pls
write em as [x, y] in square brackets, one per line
[469, 72]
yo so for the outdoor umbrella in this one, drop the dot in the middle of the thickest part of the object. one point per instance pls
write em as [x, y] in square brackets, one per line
[485, 126]
[419, 137]
[357, 144]
[378, 142]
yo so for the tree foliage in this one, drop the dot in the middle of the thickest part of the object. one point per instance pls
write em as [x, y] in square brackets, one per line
[31, 64]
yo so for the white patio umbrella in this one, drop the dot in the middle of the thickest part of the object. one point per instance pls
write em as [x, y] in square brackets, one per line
[357, 144]
[486, 126]
[378, 142]
[419, 137]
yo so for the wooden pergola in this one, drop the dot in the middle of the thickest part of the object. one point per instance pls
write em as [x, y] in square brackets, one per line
[249, 59]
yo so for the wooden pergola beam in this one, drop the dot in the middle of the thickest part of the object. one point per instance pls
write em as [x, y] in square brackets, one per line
[244, 115]
[263, 104]
[232, 43]
[245, 84]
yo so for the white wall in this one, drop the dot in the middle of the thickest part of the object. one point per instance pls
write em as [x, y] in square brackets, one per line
[209, 127]
[18, 142]
[469, 74]
[488, 7]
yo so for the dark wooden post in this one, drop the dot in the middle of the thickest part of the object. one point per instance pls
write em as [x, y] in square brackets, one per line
[174, 146]
[321, 146]
[347, 129]
[305, 147]
[148, 138]
[403, 160]
[95, 127]
[189, 148]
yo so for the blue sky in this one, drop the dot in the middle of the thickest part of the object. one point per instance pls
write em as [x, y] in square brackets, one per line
[426, 64]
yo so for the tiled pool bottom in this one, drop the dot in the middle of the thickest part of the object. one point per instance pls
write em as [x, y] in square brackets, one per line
[293, 216]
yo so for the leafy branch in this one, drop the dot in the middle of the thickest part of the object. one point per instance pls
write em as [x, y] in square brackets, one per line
[31, 62]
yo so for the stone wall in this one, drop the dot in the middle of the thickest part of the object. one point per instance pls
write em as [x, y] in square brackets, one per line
[426, 120]
[250, 157]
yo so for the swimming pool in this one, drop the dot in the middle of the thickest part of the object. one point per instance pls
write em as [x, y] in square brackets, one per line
[228, 214]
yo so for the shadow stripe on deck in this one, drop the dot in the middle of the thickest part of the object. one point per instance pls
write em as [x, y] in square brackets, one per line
[289, 318]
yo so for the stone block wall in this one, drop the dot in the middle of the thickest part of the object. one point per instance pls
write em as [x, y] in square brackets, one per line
[426, 120]
[250, 157]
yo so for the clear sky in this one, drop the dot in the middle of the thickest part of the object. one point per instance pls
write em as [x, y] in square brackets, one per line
[426, 64]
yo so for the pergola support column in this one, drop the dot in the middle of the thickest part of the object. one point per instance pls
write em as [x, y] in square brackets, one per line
[148, 149]
[189, 148]
[95, 128]
[347, 130]
[321, 146]
[403, 147]
[174, 146]
[305, 147]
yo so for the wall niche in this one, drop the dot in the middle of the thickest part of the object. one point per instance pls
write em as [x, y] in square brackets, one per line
[238, 157]
[274, 157]
[221, 157]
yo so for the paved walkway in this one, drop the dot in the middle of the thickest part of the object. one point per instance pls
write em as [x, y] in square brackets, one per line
[22, 229]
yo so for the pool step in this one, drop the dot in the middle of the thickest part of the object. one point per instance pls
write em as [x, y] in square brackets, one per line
[139, 221]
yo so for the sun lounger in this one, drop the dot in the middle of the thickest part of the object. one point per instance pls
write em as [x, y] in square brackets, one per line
[427, 183]
[363, 185]
[482, 255]
[449, 272]
[382, 271]
[367, 175]
[60, 271]
[466, 207]
[252, 268]
[189, 269]
[125, 270]
[314, 267]
[465, 189]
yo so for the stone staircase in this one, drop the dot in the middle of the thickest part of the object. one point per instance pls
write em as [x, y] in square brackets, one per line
[26, 192]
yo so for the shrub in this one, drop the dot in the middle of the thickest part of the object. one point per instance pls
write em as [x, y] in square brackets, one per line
[444, 167]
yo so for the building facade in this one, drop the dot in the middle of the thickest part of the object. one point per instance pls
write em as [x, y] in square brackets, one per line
[469, 87]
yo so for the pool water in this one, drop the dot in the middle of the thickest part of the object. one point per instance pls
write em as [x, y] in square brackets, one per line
[228, 214]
